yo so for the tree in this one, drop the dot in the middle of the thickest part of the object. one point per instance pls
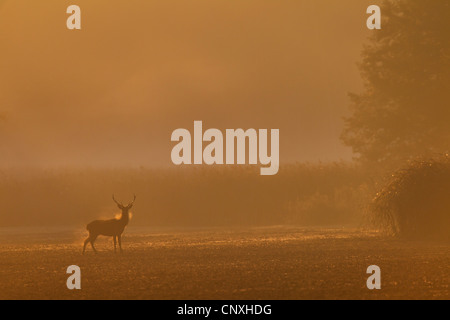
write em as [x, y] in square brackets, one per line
[404, 109]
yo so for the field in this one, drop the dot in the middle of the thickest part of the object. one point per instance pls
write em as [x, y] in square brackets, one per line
[252, 263]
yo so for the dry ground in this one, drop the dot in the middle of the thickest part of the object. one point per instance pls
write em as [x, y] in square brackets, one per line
[253, 263]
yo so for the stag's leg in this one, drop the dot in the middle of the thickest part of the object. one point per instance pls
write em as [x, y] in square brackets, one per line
[119, 237]
[85, 243]
[114, 237]
[93, 238]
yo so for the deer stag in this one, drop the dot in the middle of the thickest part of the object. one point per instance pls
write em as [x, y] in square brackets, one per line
[112, 227]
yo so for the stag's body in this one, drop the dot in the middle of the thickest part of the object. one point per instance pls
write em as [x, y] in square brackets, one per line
[112, 227]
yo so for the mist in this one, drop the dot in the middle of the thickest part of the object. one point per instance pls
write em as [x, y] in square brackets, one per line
[110, 94]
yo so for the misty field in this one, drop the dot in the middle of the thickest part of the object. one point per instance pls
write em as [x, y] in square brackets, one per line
[246, 263]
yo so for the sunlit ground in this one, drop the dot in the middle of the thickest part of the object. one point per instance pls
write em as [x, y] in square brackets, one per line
[252, 263]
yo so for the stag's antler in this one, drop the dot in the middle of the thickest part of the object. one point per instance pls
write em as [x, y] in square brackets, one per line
[131, 203]
[119, 203]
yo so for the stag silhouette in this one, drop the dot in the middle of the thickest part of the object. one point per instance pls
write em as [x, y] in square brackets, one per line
[112, 227]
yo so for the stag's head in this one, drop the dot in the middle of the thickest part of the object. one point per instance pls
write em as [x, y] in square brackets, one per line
[122, 207]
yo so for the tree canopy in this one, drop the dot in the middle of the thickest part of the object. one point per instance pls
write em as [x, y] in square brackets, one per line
[404, 109]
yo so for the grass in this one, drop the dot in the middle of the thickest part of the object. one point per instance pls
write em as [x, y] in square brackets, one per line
[303, 194]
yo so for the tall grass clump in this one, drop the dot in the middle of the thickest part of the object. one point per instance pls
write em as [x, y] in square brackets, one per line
[415, 203]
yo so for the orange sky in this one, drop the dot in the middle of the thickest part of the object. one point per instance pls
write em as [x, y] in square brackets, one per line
[112, 93]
